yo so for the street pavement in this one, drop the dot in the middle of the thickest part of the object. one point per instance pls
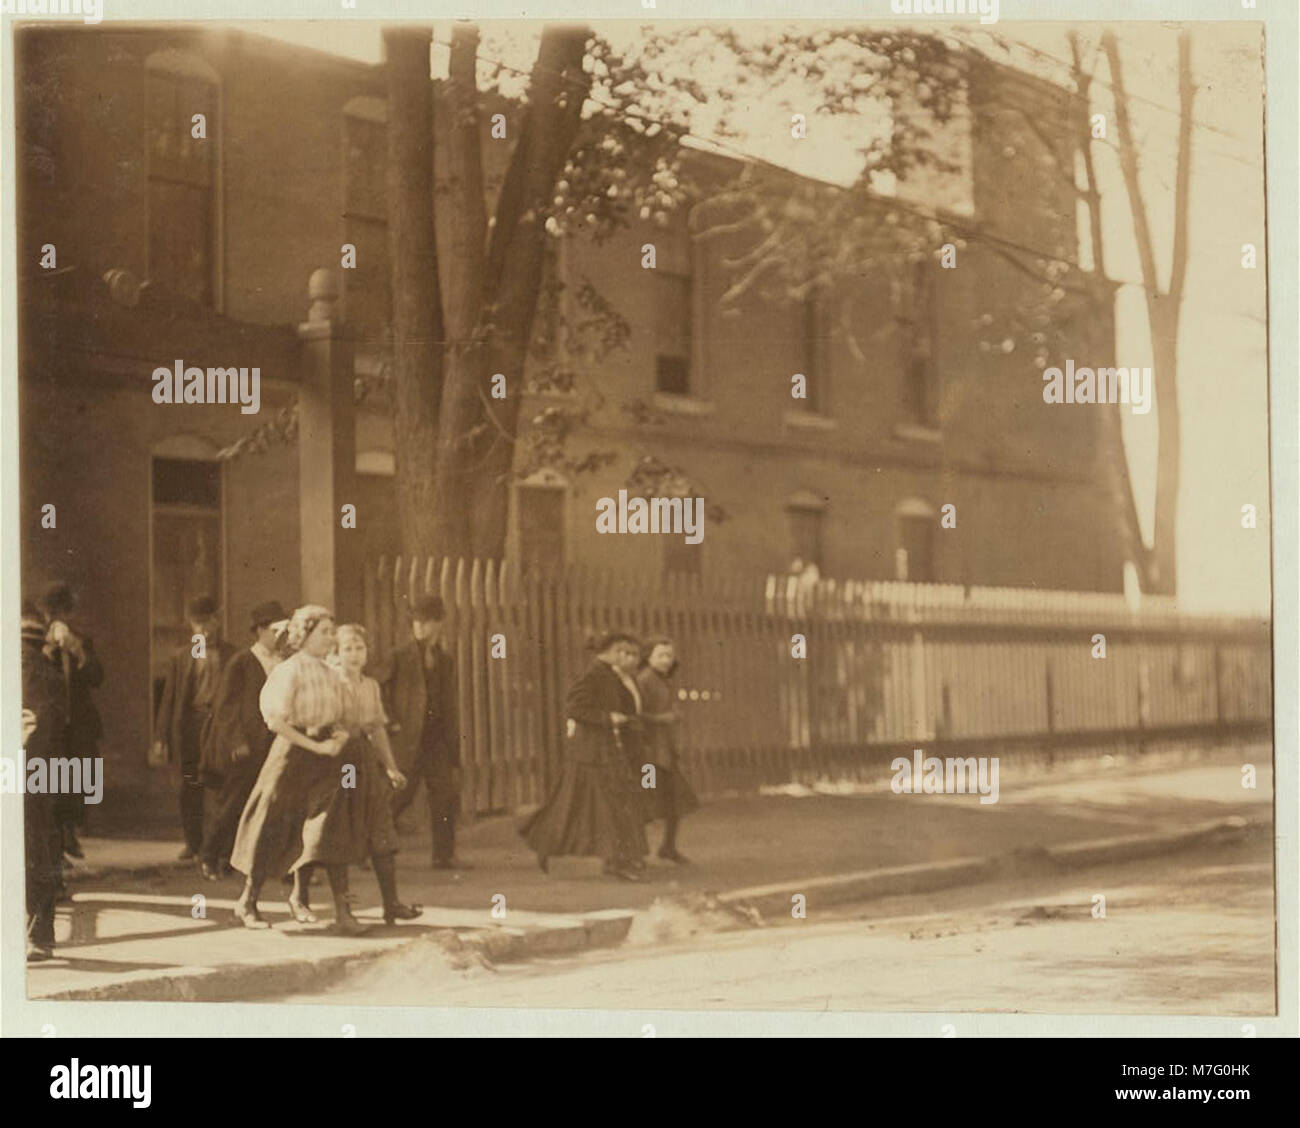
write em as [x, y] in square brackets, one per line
[1182, 935]
[135, 931]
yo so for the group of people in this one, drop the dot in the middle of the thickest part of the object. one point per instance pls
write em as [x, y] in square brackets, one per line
[59, 720]
[286, 765]
[623, 763]
[285, 760]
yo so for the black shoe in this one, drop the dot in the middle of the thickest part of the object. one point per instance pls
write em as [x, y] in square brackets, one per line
[36, 953]
[209, 872]
[674, 856]
[71, 845]
[188, 854]
[398, 911]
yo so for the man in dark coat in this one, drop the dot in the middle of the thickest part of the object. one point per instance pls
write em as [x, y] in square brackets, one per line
[44, 733]
[420, 699]
[189, 690]
[237, 740]
[73, 655]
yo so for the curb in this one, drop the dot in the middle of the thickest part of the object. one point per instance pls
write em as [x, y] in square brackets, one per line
[564, 934]
[924, 877]
[241, 982]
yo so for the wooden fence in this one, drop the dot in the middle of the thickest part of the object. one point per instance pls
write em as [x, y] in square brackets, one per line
[887, 667]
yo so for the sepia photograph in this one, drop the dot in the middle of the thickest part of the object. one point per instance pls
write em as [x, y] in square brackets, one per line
[644, 515]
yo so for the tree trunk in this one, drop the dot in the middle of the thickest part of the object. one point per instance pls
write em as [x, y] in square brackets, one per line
[1113, 454]
[1163, 308]
[476, 448]
[417, 300]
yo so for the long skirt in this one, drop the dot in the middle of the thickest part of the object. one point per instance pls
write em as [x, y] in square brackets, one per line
[672, 794]
[591, 811]
[291, 785]
[353, 818]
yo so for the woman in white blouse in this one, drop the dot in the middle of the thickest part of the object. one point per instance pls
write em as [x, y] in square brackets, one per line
[303, 706]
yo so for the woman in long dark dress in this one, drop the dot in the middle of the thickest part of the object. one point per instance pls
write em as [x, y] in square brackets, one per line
[593, 808]
[356, 820]
[672, 796]
[301, 704]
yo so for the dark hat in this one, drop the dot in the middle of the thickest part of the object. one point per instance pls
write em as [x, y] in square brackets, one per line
[427, 606]
[264, 614]
[58, 598]
[201, 607]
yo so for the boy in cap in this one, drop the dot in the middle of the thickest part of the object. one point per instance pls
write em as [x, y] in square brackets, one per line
[189, 691]
[44, 731]
[420, 691]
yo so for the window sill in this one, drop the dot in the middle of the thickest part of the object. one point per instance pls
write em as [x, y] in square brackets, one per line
[917, 433]
[683, 405]
[809, 421]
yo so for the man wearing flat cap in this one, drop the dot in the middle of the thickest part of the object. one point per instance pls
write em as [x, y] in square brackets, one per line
[72, 653]
[237, 740]
[189, 691]
[420, 694]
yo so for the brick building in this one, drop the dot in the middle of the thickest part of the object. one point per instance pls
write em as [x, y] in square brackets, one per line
[169, 246]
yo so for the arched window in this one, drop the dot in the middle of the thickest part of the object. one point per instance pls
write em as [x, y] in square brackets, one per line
[185, 535]
[367, 285]
[182, 137]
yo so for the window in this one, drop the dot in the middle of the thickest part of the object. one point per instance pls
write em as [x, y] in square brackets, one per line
[807, 518]
[367, 287]
[186, 540]
[182, 175]
[916, 549]
[539, 526]
[816, 370]
[672, 325]
[916, 323]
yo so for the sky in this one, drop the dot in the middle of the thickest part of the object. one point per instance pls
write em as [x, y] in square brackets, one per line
[1223, 375]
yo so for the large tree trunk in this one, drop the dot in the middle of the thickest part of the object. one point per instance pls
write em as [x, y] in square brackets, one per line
[1113, 454]
[476, 448]
[417, 300]
[1163, 308]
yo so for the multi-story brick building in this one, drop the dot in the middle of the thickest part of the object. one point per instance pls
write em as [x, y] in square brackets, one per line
[145, 237]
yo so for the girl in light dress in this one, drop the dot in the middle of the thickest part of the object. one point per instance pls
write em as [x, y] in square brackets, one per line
[355, 819]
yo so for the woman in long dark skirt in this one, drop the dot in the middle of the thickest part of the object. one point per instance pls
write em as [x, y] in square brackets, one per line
[593, 809]
[302, 705]
[356, 820]
[672, 796]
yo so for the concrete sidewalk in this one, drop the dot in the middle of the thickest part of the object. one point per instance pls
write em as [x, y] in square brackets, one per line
[133, 929]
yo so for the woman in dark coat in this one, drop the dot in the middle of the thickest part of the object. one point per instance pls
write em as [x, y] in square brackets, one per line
[672, 796]
[236, 740]
[356, 820]
[593, 808]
